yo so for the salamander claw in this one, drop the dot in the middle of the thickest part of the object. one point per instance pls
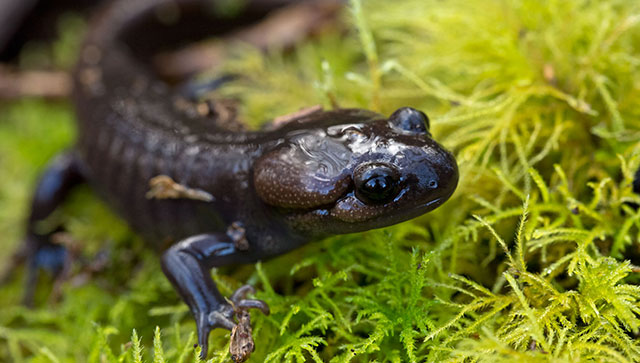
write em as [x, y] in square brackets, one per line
[253, 304]
[240, 303]
[222, 318]
[241, 293]
[223, 315]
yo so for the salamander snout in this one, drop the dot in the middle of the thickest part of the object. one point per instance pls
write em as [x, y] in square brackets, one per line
[398, 172]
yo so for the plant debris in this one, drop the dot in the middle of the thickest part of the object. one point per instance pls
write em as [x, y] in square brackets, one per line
[163, 187]
[241, 343]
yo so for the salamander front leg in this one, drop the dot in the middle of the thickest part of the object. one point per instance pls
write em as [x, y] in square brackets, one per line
[61, 175]
[187, 264]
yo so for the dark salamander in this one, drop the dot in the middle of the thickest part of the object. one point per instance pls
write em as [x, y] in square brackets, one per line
[205, 196]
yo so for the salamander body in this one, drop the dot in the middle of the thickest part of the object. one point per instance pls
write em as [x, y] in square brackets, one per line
[206, 196]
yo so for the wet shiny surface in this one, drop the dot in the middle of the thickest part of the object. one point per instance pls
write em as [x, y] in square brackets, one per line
[320, 173]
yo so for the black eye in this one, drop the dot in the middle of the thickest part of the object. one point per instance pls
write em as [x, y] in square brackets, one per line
[410, 120]
[376, 183]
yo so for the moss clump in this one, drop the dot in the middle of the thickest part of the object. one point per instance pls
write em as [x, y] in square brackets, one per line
[533, 259]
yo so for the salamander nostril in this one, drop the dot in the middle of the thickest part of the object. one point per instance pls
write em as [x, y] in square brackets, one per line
[433, 184]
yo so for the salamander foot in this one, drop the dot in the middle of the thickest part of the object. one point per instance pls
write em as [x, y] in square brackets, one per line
[186, 264]
[45, 256]
[222, 316]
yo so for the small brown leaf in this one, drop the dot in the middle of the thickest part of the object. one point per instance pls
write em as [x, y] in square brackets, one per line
[163, 187]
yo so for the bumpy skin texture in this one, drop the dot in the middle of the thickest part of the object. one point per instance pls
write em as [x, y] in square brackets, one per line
[324, 173]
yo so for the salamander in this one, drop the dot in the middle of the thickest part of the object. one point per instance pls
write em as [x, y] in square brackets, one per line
[205, 196]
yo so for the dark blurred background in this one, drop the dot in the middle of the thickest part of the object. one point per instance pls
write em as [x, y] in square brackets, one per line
[25, 20]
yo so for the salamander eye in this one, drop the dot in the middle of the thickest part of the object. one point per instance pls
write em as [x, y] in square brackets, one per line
[376, 183]
[410, 120]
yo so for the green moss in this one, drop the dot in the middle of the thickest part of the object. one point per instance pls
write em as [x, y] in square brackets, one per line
[531, 260]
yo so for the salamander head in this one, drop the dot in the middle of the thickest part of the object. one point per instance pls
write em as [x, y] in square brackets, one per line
[353, 170]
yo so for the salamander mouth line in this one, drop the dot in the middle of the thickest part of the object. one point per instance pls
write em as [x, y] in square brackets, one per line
[427, 204]
[328, 207]
[423, 206]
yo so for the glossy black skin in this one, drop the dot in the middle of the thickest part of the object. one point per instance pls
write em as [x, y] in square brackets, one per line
[328, 172]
